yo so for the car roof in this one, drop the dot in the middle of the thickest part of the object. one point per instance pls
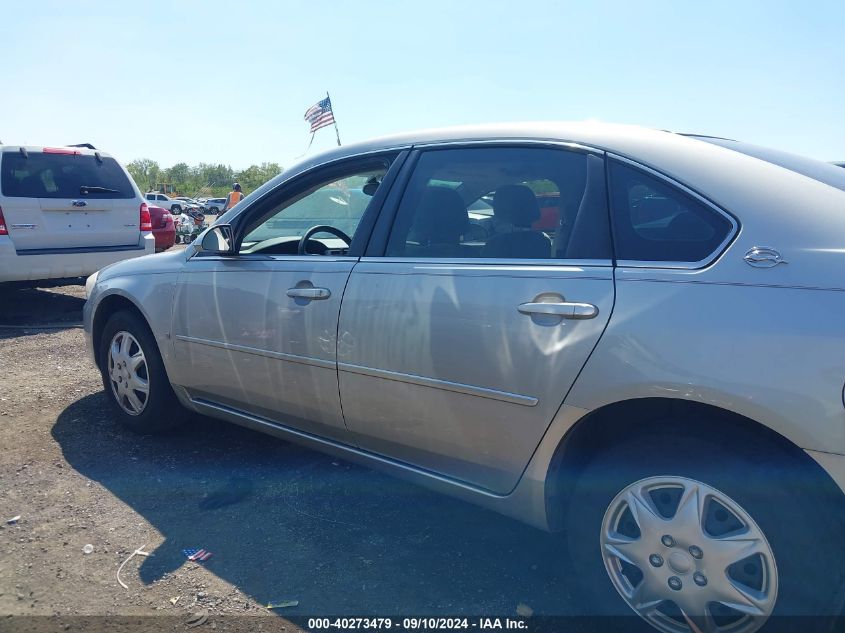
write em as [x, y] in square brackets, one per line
[605, 136]
[827, 173]
[646, 145]
[718, 173]
[659, 149]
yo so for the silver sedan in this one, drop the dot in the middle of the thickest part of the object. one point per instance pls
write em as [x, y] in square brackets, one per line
[629, 336]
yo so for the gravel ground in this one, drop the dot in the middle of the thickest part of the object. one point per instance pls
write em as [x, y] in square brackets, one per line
[283, 523]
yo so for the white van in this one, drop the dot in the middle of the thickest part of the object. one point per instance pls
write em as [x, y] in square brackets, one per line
[66, 212]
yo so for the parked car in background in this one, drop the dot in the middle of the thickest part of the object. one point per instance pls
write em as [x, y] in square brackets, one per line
[549, 203]
[66, 212]
[658, 376]
[164, 229]
[173, 205]
[215, 205]
[190, 203]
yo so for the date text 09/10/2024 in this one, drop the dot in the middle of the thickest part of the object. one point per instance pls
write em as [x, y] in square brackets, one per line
[415, 624]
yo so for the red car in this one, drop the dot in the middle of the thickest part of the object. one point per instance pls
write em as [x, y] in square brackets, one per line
[549, 212]
[164, 231]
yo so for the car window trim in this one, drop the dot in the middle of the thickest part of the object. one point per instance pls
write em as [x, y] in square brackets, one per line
[307, 179]
[381, 233]
[714, 255]
[511, 262]
[383, 224]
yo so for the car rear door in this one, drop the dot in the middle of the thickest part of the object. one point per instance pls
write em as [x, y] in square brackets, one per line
[64, 198]
[456, 348]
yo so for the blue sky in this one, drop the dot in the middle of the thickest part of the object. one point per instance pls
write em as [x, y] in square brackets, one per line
[229, 81]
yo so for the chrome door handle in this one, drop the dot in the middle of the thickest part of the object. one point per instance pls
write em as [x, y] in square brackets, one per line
[565, 309]
[311, 294]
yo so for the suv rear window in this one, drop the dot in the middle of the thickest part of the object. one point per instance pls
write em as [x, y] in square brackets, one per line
[61, 176]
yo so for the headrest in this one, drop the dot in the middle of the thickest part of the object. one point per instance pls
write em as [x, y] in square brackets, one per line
[517, 205]
[441, 217]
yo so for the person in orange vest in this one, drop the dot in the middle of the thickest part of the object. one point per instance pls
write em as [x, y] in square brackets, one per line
[234, 197]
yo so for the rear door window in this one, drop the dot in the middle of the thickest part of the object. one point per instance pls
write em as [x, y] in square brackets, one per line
[656, 222]
[503, 203]
[45, 175]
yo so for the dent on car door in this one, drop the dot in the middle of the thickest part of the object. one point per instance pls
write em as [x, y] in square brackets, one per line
[457, 346]
[257, 332]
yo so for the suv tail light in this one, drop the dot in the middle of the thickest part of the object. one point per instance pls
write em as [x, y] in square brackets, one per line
[146, 221]
[164, 218]
[3, 229]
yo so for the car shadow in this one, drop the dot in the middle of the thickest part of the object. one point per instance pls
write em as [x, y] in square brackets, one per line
[286, 523]
[26, 311]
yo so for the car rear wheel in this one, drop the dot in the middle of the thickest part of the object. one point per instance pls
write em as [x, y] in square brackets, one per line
[134, 377]
[695, 536]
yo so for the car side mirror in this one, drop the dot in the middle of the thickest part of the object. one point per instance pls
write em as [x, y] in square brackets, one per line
[218, 240]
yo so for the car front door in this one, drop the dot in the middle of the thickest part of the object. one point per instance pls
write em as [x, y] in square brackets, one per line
[461, 333]
[255, 333]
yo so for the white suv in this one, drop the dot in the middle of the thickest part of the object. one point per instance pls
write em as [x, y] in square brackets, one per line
[66, 212]
[174, 205]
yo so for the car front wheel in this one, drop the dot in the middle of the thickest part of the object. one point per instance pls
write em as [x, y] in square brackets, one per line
[695, 536]
[134, 377]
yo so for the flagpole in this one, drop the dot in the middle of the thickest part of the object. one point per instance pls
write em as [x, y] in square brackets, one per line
[307, 148]
[336, 131]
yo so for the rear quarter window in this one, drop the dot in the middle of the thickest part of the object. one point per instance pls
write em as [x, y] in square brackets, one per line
[656, 222]
[61, 176]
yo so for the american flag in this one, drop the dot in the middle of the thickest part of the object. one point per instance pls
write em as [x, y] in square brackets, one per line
[196, 554]
[320, 114]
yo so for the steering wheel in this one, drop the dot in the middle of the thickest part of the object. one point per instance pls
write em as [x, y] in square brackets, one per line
[321, 228]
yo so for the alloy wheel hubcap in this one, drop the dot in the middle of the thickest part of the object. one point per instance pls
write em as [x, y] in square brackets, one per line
[686, 557]
[128, 373]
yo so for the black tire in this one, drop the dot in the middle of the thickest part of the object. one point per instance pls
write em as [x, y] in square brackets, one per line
[792, 500]
[162, 410]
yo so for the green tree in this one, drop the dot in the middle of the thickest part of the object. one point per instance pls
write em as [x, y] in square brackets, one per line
[256, 175]
[178, 175]
[144, 172]
[205, 179]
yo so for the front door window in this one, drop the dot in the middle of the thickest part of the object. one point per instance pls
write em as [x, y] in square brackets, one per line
[337, 205]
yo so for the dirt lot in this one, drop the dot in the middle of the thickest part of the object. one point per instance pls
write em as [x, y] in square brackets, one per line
[283, 523]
